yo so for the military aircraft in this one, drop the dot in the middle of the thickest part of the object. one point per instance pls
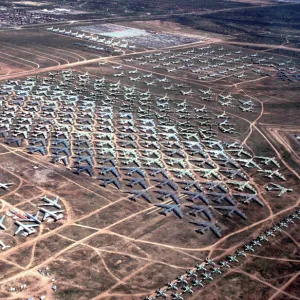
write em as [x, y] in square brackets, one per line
[249, 197]
[107, 181]
[176, 296]
[161, 293]
[270, 173]
[172, 286]
[32, 218]
[167, 208]
[168, 194]
[2, 226]
[163, 182]
[3, 246]
[207, 276]
[197, 283]
[5, 186]
[197, 209]
[231, 209]
[80, 169]
[55, 214]
[50, 202]
[206, 226]
[197, 195]
[188, 93]
[27, 228]
[277, 187]
[135, 181]
[104, 170]
[139, 193]
[187, 289]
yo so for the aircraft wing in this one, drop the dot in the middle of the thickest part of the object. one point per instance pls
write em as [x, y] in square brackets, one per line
[216, 231]
[177, 211]
[20, 228]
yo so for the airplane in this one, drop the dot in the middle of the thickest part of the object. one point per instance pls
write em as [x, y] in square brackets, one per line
[197, 195]
[131, 171]
[2, 226]
[139, 193]
[277, 187]
[50, 202]
[113, 170]
[172, 286]
[80, 169]
[267, 160]
[187, 289]
[5, 185]
[168, 194]
[248, 198]
[231, 209]
[197, 209]
[207, 276]
[216, 270]
[246, 109]
[249, 248]
[107, 181]
[55, 214]
[273, 172]
[206, 226]
[32, 218]
[134, 181]
[171, 208]
[27, 228]
[197, 283]
[176, 296]
[190, 92]
[161, 293]
[3, 246]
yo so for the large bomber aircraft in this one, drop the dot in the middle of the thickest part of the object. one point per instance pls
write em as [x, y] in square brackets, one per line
[207, 226]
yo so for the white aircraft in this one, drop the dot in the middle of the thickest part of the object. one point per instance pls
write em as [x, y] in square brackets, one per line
[5, 185]
[55, 214]
[50, 202]
[3, 246]
[32, 218]
[28, 228]
[190, 92]
[2, 226]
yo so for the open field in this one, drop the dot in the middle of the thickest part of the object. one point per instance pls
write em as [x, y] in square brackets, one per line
[169, 161]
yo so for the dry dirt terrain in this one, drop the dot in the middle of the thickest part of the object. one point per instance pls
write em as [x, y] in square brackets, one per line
[133, 142]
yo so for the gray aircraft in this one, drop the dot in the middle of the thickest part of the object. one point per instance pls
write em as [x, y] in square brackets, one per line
[247, 198]
[208, 226]
[163, 182]
[198, 209]
[167, 208]
[138, 194]
[80, 169]
[106, 181]
[168, 194]
[135, 181]
[231, 209]
[197, 196]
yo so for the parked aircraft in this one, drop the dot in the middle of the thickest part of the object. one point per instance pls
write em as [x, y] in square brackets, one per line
[5, 186]
[231, 209]
[175, 208]
[3, 246]
[208, 226]
[27, 228]
[50, 202]
[55, 214]
[2, 226]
